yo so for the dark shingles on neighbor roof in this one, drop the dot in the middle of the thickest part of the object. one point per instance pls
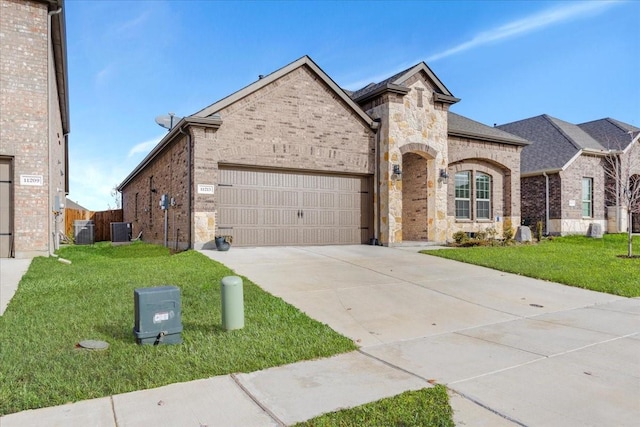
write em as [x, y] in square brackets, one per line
[611, 133]
[462, 126]
[550, 149]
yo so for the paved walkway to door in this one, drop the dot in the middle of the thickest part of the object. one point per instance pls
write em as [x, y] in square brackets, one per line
[534, 352]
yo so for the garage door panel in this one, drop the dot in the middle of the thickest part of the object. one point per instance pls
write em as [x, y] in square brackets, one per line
[287, 208]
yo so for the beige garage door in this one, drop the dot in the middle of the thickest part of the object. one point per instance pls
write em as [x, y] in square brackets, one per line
[267, 207]
[6, 237]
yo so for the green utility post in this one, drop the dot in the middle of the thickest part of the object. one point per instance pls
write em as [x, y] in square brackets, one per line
[232, 303]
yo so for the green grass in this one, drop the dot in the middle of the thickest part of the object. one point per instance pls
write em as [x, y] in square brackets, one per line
[58, 305]
[428, 407]
[573, 260]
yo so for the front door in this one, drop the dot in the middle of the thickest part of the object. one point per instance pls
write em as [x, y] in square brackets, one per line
[6, 223]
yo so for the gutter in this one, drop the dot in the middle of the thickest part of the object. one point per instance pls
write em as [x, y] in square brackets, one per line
[462, 134]
[54, 242]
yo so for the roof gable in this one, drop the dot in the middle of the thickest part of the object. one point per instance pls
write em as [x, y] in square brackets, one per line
[262, 82]
[398, 80]
[610, 133]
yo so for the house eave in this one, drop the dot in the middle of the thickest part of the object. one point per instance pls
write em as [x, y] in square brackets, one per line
[389, 88]
[179, 128]
[462, 134]
[446, 99]
[540, 172]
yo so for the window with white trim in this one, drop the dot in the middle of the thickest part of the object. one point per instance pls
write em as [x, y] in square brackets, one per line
[463, 195]
[473, 189]
[483, 196]
[587, 197]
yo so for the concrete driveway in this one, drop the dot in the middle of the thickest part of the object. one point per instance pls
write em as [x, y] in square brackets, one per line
[534, 352]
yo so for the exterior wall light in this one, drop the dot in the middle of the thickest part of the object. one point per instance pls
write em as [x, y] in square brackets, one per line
[444, 176]
[396, 170]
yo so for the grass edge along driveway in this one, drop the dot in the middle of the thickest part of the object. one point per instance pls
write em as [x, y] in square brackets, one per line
[578, 261]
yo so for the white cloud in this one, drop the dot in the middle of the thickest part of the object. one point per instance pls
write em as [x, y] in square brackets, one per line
[144, 147]
[531, 23]
[131, 25]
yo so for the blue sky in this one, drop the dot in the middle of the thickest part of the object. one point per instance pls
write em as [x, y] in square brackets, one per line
[130, 61]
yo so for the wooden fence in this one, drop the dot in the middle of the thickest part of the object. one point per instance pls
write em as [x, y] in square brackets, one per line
[101, 221]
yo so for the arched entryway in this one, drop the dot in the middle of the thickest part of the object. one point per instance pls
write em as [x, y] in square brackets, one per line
[417, 197]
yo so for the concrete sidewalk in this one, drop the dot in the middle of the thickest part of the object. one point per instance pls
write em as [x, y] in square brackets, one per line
[11, 272]
[513, 350]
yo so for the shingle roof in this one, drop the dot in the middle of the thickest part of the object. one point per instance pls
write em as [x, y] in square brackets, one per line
[554, 142]
[462, 126]
[611, 133]
[374, 86]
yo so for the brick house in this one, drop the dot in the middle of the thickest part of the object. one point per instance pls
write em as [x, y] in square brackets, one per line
[34, 124]
[293, 159]
[564, 182]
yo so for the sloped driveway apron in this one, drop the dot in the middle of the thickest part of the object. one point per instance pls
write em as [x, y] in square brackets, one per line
[534, 352]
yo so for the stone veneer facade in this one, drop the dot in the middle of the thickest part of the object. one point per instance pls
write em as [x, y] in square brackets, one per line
[417, 205]
[31, 130]
[413, 136]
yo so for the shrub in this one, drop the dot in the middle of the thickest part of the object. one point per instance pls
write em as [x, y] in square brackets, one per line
[539, 230]
[507, 230]
[460, 237]
[491, 233]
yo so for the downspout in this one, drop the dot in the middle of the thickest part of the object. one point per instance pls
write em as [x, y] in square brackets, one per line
[189, 187]
[376, 177]
[54, 241]
[546, 207]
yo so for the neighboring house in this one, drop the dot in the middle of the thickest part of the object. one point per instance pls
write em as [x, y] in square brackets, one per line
[293, 159]
[563, 171]
[623, 139]
[34, 124]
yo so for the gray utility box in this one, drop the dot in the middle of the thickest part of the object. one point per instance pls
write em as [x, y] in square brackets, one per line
[83, 233]
[157, 312]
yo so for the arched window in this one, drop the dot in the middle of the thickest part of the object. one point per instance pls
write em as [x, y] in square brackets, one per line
[483, 196]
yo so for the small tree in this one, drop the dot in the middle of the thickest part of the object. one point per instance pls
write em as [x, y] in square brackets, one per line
[117, 197]
[622, 169]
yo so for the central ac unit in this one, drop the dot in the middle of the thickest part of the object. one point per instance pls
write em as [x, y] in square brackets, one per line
[120, 231]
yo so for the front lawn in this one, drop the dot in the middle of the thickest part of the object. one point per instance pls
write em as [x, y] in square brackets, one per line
[58, 305]
[428, 407]
[573, 260]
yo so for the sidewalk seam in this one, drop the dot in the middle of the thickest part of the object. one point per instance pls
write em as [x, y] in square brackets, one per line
[113, 411]
[257, 402]
[446, 385]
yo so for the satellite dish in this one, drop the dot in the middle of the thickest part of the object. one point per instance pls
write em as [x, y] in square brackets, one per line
[168, 121]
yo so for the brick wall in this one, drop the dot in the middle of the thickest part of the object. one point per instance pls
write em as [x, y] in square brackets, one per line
[414, 198]
[585, 166]
[502, 163]
[29, 116]
[168, 174]
[296, 122]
